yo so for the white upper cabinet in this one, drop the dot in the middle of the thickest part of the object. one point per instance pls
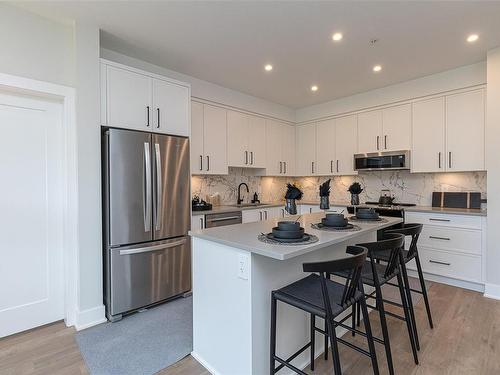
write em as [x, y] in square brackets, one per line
[306, 150]
[280, 149]
[244, 137]
[171, 108]
[325, 148]
[448, 133]
[465, 127]
[288, 150]
[396, 128]
[208, 139]
[388, 129]
[128, 99]
[428, 134]
[369, 131]
[133, 99]
[345, 144]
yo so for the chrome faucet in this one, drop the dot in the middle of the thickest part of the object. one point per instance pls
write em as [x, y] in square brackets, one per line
[239, 192]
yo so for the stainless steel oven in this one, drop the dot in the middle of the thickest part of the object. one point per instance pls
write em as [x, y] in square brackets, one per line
[376, 161]
[219, 220]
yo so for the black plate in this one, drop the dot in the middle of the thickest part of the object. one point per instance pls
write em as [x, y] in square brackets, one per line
[348, 226]
[288, 234]
[372, 218]
[304, 238]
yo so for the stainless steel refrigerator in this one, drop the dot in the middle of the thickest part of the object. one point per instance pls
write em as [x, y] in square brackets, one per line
[146, 206]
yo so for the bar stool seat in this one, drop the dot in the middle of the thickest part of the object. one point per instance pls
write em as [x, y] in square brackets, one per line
[306, 295]
[367, 274]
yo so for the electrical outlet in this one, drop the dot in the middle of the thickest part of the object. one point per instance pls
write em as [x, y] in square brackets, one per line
[243, 261]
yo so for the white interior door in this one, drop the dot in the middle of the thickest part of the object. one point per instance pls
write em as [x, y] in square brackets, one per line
[31, 225]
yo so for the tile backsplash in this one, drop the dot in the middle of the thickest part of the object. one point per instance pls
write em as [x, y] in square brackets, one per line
[405, 186]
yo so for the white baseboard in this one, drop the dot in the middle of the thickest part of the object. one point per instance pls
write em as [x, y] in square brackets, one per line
[90, 317]
[492, 291]
[204, 363]
[478, 287]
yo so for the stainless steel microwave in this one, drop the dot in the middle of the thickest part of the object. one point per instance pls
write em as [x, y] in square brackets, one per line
[379, 161]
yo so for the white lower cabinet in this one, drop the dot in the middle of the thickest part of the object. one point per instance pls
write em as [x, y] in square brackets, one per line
[450, 245]
[262, 214]
[309, 208]
[197, 222]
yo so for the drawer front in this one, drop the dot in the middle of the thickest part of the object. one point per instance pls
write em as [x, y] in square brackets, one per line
[459, 221]
[451, 239]
[458, 266]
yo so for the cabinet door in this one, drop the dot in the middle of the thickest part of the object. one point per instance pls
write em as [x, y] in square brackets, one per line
[274, 163]
[428, 136]
[369, 131]
[214, 140]
[288, 149]
[128, 99]
[196, 151]
[465, 131]
[250, 216]
[396, 128]
[306, 150]
[171, 108]
[274, 213]
[345, 144]
[256, 146]
[197, 222]
[238, 153]
[325, 147]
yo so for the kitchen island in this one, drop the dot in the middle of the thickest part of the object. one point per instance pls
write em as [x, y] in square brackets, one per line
[233, 276]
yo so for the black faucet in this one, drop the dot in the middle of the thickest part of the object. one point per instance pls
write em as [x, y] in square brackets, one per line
[239, 192]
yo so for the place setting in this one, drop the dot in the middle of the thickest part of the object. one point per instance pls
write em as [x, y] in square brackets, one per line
[367, 215]
[288, 233]
[335, 222]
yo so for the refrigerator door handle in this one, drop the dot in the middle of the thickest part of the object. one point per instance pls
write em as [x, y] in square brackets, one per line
[159, 192]
[147, 187]
[148, 249]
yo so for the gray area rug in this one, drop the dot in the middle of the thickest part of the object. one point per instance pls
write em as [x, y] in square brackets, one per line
[142, 343]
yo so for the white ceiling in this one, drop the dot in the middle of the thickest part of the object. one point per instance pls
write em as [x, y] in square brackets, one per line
[228, 43]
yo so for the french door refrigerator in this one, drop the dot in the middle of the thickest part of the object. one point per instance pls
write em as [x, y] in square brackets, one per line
[146, 205]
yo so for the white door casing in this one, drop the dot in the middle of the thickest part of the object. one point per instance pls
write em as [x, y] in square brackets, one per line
[32, 282]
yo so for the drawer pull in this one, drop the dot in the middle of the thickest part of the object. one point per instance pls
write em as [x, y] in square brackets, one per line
[439, 238]
[445, 220]
[443, 263]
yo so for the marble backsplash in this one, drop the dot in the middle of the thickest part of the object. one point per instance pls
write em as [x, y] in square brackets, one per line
[405, 186]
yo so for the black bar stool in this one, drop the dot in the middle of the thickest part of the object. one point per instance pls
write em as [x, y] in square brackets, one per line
[319, 296]
[377, 275]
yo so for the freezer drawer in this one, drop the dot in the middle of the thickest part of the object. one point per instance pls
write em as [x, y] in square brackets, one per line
[142, 275]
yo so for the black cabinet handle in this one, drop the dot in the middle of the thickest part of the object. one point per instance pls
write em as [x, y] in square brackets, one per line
[331, 166]
[312, 167]
[281, 167]
[445, 220]
[284, 167]
[449, 159]
[337, 166]
[442, 263]
[158, 114]
[385, 142]
[251, 157]
[208, 163]
[147, 111]
[246, 157]
[440, 238]
[439, 159]
[201, 162]
[378, 138]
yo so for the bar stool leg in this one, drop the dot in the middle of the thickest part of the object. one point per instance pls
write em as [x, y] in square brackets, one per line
[353, 318]
[273, 335]
[313, 339]
[326, 341]
[335, 350]
[424, 290]
[407, 318]
[385, 332]
[369, 336]
[410, 303]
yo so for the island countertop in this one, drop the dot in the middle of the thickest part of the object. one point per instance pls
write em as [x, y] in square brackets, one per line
[245, 236]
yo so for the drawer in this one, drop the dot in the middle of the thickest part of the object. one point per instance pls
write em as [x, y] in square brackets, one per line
[451, 239]
[446, 220]
[442, 263]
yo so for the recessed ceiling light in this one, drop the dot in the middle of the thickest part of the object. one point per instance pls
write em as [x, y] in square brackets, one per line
[268, 67]
[377, 68]
[337, 36]
[472, 38]
[314, 88]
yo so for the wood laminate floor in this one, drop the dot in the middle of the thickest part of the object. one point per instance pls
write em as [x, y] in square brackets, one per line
[465, 340]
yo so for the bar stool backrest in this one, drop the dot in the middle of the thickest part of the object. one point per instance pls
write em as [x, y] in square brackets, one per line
[352, 264]
[409, 229]
[392, 242]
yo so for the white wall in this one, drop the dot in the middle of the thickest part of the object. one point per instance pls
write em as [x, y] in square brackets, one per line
[209, 91]
[465, 76]
[35, 47]
[493, 169]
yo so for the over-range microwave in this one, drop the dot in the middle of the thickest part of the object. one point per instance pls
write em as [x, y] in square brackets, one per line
[379, 161]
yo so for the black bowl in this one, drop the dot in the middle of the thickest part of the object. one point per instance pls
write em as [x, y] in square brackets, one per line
[367, 213]
[288, 234]
[336, 223]
[335, 219]
[289, 225]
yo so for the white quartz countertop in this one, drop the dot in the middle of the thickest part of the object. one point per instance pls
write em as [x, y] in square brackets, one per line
[245, 236]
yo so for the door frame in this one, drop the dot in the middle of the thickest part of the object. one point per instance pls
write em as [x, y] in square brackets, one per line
[66, 95]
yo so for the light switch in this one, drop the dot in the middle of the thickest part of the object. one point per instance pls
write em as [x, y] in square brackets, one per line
[243, 261]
